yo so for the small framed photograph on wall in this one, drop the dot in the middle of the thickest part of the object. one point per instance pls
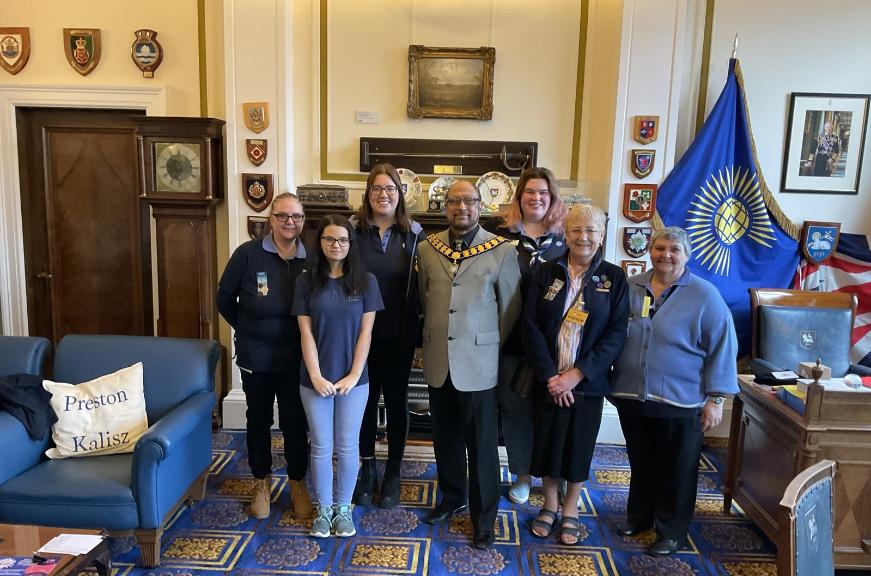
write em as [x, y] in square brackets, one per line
[825, 140]
[633, 267]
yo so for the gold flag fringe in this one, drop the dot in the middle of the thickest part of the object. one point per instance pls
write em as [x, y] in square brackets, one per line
[787, 225]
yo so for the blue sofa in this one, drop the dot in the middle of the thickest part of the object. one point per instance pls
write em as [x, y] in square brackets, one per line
[23, 355]
[121, 493]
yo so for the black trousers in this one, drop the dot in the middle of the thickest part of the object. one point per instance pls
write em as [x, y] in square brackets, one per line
[261, 388]
[467, 421]
[389, 366]
[664, 457]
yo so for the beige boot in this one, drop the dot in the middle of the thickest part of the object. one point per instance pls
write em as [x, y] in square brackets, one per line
[260, 501]
[302, 504]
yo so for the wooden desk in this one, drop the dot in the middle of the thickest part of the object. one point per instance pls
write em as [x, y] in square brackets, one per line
[770, 443]
[21, 540]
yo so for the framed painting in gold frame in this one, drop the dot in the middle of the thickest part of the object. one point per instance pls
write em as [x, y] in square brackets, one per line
[450, 82]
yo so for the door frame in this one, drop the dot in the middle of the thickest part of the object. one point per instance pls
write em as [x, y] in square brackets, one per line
[13, 278]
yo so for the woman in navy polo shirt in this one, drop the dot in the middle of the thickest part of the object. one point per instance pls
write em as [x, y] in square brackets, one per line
[388, 240]
[335, 303]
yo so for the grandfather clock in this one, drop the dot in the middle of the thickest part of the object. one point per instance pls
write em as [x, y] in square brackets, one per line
[181, 164]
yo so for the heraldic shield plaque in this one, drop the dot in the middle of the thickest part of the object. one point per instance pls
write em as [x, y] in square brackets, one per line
[636, 241]
[639, 201]
[256, 150]
[147, 53]
[819, 240]
[14, 49]
[257, 190]
[82, 48]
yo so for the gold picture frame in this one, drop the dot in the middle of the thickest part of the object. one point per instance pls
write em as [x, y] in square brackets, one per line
[450, 82]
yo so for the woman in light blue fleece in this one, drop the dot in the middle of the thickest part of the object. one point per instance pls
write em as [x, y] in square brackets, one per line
[668, 384]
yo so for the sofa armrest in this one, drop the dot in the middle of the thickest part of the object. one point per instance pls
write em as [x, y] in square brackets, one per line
[173, 452]
[21, 452]
[157, 442]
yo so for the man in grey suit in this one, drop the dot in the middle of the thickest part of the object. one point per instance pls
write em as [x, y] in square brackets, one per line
[470, 292]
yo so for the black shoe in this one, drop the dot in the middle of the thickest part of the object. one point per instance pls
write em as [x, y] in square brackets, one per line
[390, 485]
[483, 541]
[630, 530]
[441, 513]
[663, 547]
[366, 482]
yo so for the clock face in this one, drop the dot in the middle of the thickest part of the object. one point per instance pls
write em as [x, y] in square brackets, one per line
[177, 167]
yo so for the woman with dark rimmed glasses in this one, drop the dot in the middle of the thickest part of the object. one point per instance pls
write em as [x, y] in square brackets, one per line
[388, 239]
[254, 296]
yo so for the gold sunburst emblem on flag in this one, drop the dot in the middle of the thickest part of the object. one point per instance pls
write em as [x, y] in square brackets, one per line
[727, 208]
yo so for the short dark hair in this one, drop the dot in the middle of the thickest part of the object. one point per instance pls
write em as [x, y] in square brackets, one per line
[364, 214]
[354, 278]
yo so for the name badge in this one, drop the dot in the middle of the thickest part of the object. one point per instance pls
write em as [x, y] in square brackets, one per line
[645, 307]
[262, 284]
[578, 317]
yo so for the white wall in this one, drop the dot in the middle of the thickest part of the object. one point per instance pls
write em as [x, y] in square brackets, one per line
[790, 46]
[534, 87]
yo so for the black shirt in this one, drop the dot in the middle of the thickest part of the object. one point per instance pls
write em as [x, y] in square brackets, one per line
[255, 296]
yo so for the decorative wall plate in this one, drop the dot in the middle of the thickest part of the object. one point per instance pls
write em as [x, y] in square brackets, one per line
[411, 186]
[496, 188]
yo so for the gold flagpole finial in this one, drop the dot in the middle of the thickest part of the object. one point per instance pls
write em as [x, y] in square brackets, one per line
[735, 47]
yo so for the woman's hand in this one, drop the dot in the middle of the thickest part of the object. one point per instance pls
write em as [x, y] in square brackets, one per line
[565, 400]
[344, 385]
[324, 387]
[711, 415]
[564, 382]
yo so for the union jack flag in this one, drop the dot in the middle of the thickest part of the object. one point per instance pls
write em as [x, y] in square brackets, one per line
[848, 270]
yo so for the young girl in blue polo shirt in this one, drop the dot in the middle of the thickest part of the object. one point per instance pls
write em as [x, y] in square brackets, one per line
[335, 303]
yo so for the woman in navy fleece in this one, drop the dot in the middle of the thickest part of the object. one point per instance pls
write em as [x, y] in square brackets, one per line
[668, 385]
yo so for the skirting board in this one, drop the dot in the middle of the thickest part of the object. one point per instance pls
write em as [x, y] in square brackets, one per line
[609, 432]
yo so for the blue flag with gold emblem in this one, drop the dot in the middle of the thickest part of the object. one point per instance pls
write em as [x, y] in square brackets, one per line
[716, 192]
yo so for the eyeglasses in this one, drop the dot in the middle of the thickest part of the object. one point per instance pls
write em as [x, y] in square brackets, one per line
[587, 231]
[284, 217]
[455, 202]
[330, 241]
[377, 190]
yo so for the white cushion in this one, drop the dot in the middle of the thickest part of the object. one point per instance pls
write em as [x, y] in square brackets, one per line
[104, 416]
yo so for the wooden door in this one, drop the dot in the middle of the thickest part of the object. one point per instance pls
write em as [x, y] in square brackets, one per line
[86, 233]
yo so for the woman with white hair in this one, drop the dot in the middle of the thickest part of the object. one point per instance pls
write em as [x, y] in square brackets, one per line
[669, 384]
[574, 325]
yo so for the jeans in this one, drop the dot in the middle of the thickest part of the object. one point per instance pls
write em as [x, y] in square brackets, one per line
[335, 422]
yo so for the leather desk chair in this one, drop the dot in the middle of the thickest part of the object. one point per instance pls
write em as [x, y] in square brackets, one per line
[793, 326]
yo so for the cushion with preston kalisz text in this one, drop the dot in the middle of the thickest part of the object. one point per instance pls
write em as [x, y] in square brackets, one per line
[103, 416]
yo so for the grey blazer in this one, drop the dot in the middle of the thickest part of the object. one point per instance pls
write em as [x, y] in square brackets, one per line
[469, 316]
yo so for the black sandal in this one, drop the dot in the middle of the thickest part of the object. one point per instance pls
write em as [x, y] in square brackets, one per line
[569, 528]
[539, 523]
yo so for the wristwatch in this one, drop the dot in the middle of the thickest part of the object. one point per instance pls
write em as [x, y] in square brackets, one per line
[718, 400]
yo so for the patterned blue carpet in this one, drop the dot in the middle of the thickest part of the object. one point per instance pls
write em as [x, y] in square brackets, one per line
[216, 535]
